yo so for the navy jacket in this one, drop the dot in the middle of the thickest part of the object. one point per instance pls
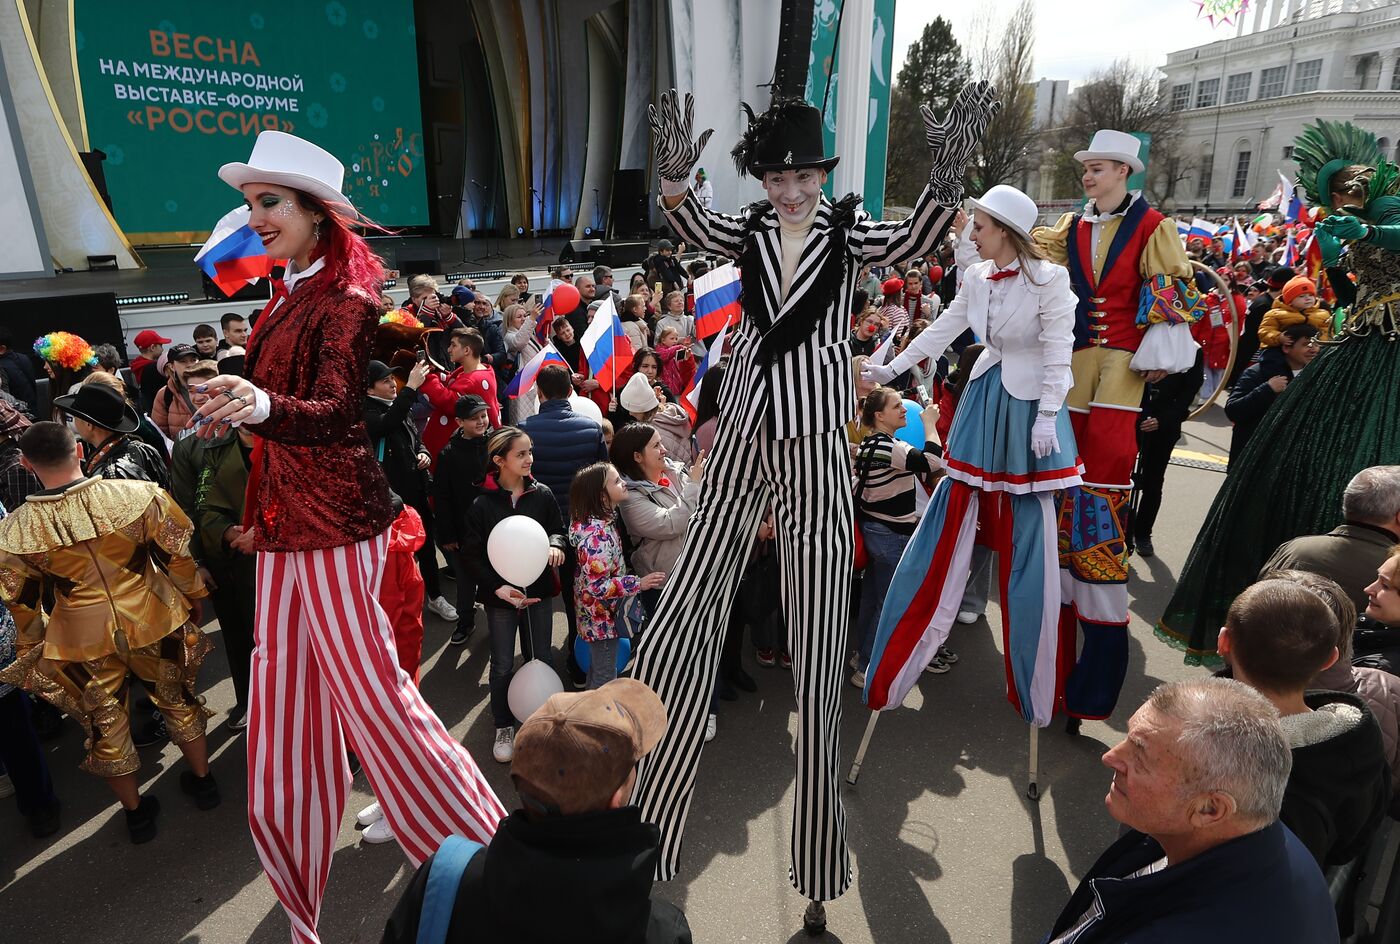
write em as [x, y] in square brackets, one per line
[564, 442]
[1252, 396]
[1261, 887]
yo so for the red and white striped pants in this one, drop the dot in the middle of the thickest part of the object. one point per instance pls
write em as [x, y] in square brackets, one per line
[324, 671]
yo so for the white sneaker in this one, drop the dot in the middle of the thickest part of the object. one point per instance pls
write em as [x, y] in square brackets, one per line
[967, 617]
[504, 751]
[378, 832]
[370, 814]
[6, 787]
[711, 728]
[858, 679]
[441, 607]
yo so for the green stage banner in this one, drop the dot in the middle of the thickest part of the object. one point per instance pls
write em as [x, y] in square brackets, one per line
[172, 89]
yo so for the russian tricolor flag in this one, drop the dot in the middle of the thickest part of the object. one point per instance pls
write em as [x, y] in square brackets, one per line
[717, 300]
[606, 345]
[233, 255]
[1200, 228]
[1290, 252]
[525, 379]
[1290, 201]
[691, 398]
[546, 318]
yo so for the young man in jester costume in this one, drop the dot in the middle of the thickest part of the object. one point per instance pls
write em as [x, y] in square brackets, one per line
[785, 400]
[1332, 420]
[1132, 326]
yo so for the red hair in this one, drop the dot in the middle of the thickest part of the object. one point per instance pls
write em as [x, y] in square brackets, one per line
[349, 258]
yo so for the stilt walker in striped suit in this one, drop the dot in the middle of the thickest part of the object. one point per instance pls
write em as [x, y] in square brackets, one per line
[324, 667]
[1010, 448]
[1137, 302]
[786, 397]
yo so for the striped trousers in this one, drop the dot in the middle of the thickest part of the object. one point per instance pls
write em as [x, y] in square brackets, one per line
[806, 480]
[927, 592]
[324, 672]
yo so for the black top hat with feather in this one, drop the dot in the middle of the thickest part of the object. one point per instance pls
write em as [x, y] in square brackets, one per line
[786, 136]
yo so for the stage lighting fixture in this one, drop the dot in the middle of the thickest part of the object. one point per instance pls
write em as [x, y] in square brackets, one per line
[168, 298]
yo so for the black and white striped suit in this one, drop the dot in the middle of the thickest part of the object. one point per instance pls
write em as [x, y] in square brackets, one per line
[780, 443]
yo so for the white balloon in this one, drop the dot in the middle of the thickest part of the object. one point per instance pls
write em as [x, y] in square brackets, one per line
[531, 687]
[586, 407]
[518, 550]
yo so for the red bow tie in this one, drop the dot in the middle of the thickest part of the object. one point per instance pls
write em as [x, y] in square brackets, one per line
[1003, 274]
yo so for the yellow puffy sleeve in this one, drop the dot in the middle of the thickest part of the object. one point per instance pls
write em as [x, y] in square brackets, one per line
[1164, 254]
[22, 589]
[170, 530]
[1053, 241]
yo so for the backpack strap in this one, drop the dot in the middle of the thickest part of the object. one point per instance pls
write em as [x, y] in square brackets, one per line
[445, 874]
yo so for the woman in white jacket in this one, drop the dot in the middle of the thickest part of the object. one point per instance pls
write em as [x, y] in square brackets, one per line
[1009, 448]
[522, 344]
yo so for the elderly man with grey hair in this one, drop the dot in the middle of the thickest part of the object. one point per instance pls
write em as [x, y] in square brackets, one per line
[1199, 781]
[1351, 552]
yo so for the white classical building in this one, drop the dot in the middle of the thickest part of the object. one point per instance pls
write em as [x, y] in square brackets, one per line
[1243, 100]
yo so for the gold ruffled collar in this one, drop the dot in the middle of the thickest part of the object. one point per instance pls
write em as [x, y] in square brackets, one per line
[87, 510]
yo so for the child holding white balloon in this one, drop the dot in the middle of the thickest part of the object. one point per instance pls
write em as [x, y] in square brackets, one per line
[516, 576]
[602, 586]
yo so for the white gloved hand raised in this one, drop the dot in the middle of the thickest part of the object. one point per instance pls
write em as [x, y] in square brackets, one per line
[877, 373]
[1043, 438]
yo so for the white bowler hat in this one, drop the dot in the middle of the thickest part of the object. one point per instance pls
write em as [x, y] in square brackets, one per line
[288, 161]
[1010, 207]
[637, 396]
[1109, 146]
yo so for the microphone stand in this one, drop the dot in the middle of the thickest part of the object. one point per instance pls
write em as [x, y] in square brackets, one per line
[464, 206]
[490, 219]
[539, 236]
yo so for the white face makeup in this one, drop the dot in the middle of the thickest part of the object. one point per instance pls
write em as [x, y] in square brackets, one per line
[794, 192]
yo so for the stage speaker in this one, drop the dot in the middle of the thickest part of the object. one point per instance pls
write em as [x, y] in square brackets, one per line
[628, 211]
[577, 249]
[418, 261]
[619, 253]
[92, 163]
[259, 291]
[90, 315]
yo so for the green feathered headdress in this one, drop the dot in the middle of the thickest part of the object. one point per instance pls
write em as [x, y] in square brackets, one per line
[1326, 147]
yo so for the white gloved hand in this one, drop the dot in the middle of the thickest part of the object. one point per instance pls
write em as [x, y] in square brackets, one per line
[877, 373]
[1043, 438]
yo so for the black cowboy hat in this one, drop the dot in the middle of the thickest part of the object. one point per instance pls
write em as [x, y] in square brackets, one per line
[101, 406]
[785, 137]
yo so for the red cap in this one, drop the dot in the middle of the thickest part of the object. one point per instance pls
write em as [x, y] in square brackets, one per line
[894, 286]
[147, 338]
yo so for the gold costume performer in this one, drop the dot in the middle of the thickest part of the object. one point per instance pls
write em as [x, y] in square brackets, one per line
[113, 558]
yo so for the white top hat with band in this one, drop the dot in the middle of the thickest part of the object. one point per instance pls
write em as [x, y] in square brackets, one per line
[1009, 207]
[288, 161]
[1110, 146]
[637, 396]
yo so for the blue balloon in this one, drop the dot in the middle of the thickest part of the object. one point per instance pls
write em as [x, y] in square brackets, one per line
[912, 431]
[583, 652]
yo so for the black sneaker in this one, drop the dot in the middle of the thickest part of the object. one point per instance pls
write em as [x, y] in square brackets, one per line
[44, 821]
[354, 764]
[1145, 548]
[141, 822]
[237, 718]
[460, 635]
[151, 733]
[204, 789]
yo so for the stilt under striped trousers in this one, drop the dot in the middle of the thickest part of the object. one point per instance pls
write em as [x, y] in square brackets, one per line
[807, 481]
[324, 671]
[928, 585]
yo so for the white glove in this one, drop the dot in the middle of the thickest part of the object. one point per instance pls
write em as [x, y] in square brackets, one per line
[877, 373]
[1043, 438]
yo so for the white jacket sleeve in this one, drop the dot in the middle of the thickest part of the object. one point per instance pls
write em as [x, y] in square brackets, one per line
[934, 340]
[1056, 312]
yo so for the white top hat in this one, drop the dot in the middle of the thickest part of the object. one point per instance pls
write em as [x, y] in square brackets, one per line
[1110, 146]
[637, 396]
[288, 161]
[1010, 207]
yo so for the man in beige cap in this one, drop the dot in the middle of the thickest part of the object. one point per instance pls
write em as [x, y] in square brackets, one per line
[577, 843]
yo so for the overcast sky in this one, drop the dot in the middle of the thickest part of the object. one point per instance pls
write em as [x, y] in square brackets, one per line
[1070, 45]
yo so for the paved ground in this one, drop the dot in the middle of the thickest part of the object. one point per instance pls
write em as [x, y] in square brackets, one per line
[947, 847]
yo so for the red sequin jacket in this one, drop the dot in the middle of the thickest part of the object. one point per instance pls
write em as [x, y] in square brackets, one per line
[319, 485]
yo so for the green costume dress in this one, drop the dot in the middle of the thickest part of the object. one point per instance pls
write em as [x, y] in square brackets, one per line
[1337, 417]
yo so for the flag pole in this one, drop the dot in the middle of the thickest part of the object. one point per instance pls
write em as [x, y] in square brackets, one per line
[1033, 790]
[854, 775]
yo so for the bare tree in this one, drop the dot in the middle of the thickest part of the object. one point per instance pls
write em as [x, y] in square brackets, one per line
[1129, 97]
[1007, 148]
